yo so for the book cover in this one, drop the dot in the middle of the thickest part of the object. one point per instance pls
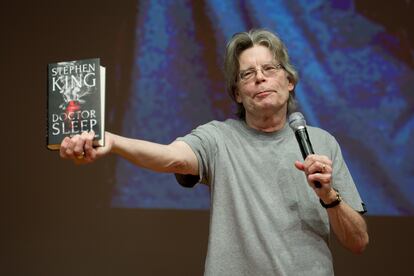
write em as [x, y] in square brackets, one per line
[75, 100]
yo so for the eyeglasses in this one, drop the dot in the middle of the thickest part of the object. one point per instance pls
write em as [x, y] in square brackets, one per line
[268, 70]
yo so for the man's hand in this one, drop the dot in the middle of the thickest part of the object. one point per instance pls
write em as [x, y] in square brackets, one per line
[319, 168]
[79, 148]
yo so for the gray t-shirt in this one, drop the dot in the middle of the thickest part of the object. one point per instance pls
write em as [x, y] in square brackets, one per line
[264, 218]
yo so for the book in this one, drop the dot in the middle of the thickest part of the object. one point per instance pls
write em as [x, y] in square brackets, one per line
[75, 100]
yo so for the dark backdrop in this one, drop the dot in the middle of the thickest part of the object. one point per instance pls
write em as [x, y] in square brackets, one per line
[56, 217]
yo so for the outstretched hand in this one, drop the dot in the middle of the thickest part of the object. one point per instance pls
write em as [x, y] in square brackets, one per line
[80, 149]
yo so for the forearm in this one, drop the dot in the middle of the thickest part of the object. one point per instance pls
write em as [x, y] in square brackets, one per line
[153, 156]
[349, 227]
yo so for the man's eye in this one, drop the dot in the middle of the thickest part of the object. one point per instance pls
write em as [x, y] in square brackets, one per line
[269, 68]
[248, 74]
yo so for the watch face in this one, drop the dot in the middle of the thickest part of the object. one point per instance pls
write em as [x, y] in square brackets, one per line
[338, 195]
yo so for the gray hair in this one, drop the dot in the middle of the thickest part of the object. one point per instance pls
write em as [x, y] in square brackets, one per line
[245, 40]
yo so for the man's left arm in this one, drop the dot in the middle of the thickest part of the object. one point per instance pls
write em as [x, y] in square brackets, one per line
[347, 224]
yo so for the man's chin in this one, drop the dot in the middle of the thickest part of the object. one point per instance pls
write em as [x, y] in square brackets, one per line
[266, 108]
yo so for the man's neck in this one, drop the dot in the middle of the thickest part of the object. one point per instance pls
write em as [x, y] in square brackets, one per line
[266, 123]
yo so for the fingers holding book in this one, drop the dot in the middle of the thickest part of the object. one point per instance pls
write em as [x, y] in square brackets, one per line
[79, 148]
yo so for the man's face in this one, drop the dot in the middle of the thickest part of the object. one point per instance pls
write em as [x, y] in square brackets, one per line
[266, 86]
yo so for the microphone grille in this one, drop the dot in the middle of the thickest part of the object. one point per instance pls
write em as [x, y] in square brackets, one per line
[296, 120]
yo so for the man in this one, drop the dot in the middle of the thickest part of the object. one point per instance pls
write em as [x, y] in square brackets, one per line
[267, 218]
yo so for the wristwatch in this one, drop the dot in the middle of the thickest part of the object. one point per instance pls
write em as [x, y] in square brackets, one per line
[333, 203]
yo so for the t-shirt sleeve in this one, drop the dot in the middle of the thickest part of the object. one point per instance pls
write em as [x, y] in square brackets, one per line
[342, 180]
[202, 141]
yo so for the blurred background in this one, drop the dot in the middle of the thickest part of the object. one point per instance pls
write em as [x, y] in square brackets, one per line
[164, 77]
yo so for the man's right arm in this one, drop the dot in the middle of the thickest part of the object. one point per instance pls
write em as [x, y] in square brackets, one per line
[176, 157]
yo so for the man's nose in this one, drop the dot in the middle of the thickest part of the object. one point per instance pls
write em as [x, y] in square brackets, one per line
[259, 75]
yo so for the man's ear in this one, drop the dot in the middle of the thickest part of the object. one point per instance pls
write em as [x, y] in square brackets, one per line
[291, 86]
[237, 96]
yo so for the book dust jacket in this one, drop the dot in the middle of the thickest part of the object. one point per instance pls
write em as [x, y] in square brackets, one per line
[76, 100]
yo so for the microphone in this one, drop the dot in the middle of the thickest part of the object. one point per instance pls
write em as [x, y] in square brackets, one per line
[298, 124]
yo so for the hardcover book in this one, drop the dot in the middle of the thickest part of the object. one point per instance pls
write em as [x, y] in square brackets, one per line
[75, 100]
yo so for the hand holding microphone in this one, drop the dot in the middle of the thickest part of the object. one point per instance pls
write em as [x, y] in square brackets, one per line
[315, 163]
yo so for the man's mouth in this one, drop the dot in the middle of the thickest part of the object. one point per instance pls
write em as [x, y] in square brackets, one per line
[264, 93]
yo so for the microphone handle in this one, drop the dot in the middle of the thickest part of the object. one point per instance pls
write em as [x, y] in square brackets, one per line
[305, 146]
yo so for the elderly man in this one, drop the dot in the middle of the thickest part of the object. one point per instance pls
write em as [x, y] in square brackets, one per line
[267, 217]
